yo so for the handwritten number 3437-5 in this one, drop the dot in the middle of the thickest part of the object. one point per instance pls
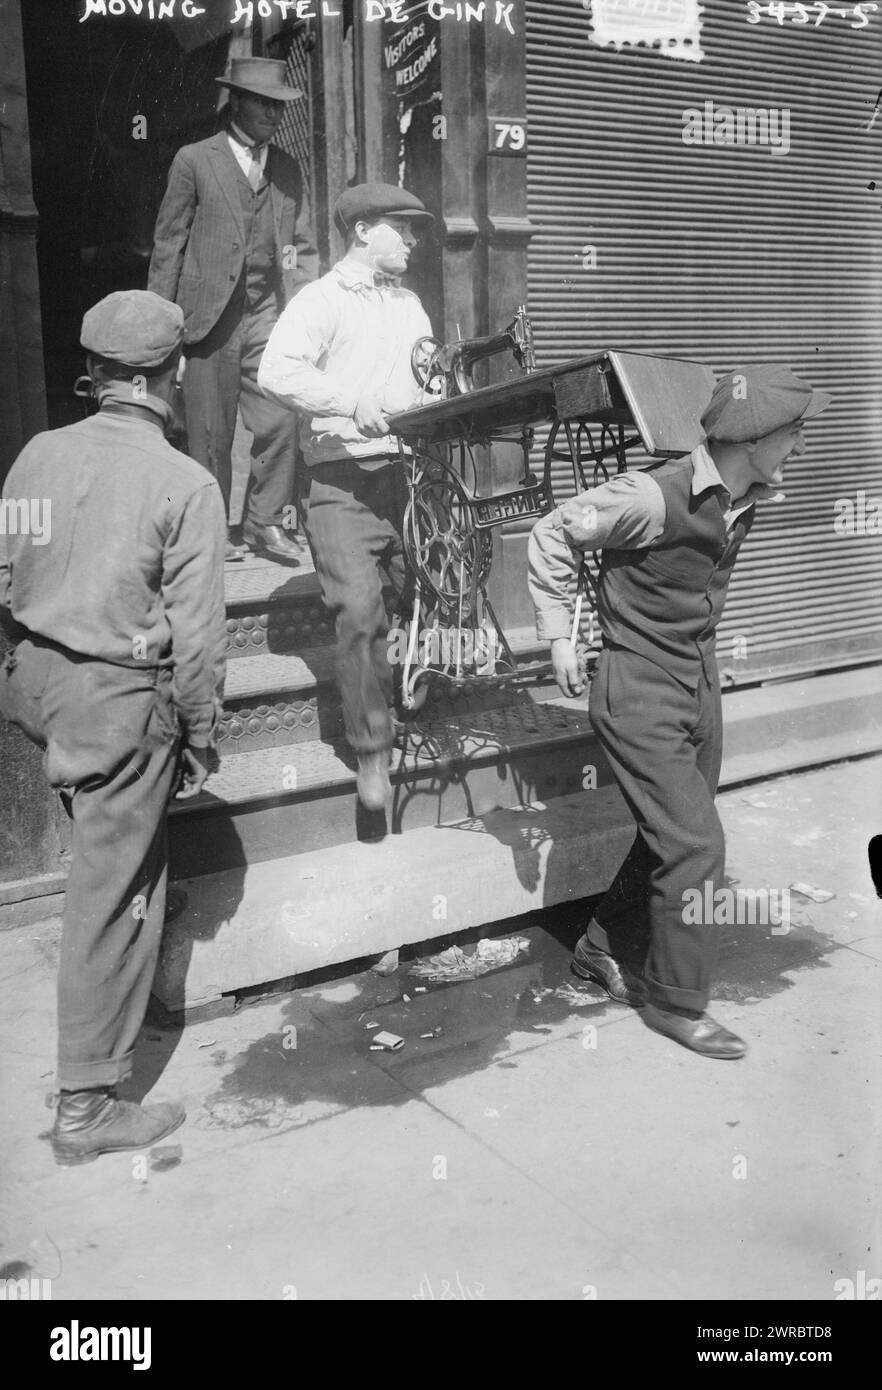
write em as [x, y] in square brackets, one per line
[800, 13]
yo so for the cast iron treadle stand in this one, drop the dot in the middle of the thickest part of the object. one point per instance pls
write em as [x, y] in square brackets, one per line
[596, 417]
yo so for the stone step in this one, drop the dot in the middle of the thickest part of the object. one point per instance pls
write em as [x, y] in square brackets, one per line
[274, 699]
[258, 923]
[274, 610]
[264, 803]
[258, 581]
[463, 765]
[278, 672]
[489, 821]
[777, 729]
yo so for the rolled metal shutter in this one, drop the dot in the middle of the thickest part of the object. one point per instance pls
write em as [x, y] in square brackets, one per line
[731, 254]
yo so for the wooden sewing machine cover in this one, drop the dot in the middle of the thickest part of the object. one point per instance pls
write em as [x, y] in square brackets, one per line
[663, 398]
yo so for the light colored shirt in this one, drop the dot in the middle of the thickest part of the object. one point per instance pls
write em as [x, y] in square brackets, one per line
[627, 513]
[129, 568]
[344, 337]
[246, 152]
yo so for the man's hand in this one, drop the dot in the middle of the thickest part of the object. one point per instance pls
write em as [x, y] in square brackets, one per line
[196, 763]
[370, 419]
[568, 673]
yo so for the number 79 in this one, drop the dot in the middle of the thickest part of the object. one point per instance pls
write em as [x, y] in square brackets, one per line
[514, 135]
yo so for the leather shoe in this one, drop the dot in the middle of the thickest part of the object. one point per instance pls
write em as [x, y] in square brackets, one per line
[93, 1122]
[277, 543]
[233, 552]
[702, 1033]
[374, 787]
[590, 963]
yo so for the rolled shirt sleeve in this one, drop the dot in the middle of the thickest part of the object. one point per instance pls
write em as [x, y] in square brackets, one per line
[627, 513]
[193, 599]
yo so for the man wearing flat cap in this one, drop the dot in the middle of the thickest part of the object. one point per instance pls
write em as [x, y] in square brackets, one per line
[116, 672]
[341, 355]
[233, 244]
[669, 536]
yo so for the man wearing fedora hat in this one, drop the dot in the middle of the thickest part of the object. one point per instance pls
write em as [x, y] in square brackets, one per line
[233, 244]
[341, 355]
[670, 535]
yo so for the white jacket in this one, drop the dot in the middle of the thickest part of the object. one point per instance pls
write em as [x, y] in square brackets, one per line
[341, 338]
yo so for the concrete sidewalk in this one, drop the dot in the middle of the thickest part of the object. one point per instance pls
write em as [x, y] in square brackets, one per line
[539, 1147]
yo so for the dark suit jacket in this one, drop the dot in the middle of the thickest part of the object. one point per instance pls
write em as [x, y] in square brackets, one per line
[199, 243]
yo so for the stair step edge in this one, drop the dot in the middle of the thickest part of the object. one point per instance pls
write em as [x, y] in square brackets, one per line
[269, 766]
[269, 673]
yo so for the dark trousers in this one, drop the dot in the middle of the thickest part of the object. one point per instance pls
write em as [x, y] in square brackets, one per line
[110, 737]
[221, 374]
[354, 521]
[664, 745]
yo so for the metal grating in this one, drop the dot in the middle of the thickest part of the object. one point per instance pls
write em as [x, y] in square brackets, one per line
[493, 735]
[294, 135]
[729, 255]
[263, 581]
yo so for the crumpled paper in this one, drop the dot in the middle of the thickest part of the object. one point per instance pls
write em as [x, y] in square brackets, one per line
[454, 964]
[817, 895]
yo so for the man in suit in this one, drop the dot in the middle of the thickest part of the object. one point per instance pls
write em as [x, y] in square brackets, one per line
[232, 246]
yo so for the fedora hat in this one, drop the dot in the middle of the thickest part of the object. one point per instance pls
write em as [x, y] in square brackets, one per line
[264, 77]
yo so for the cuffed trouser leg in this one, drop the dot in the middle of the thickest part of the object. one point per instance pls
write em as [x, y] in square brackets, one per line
[664, 745]
[273, 429]
[627, 897]
[113, 917]
[212, 382]
[211, 390]
[353, 526]
[111, 748]
[221, 376]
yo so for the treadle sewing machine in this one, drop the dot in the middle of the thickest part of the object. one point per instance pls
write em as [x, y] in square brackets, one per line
[598, 406]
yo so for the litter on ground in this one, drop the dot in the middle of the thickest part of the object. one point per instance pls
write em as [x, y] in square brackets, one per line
[387, 965]
[580, 998]
[817, 895]
[454, 964]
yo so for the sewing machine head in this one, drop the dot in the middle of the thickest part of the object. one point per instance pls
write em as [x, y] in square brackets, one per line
[445, 369]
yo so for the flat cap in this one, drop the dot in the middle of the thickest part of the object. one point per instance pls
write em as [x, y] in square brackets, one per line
[135, 327]
[755, 401]
[371, 200]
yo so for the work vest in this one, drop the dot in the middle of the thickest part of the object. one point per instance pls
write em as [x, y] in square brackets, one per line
[665, 602]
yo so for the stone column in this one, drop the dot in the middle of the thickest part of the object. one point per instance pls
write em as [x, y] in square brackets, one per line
[31, 832]
[473, 176]
[507, 231]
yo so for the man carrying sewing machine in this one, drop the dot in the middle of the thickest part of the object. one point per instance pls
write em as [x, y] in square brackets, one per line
[670, 536]
[341, 354]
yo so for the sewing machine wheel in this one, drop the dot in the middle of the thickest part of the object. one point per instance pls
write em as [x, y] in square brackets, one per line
[445, 550]
[425, 361]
